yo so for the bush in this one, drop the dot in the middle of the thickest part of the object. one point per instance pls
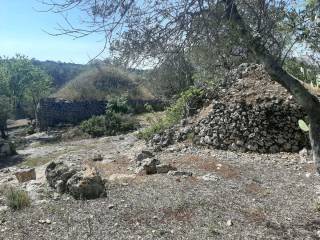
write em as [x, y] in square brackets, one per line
[115, 120]
[17, 199]
[183, 107]
[94, 126]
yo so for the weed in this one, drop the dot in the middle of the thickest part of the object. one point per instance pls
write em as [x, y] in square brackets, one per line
[173, 114]
[17, 199]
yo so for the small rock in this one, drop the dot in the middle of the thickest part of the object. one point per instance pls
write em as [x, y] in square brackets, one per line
[210, 177]
[148, 166]
[97, 158]
[180, 173]
[165, 168]
[229, 223]
[25, 175]
[143, 155]
[111, 206]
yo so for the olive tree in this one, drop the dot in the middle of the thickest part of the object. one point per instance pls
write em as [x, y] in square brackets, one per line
[267, 29]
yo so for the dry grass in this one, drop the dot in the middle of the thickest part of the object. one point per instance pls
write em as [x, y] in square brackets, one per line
[101, 83]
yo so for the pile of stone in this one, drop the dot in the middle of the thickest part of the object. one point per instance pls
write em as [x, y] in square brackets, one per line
[249, 113]
[80, 183]
[146, 163]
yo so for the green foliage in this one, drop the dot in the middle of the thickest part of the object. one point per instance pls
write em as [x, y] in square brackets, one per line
[94, 126]
[172, 76]
[5, 109]
[119, 105]
[148, 108]
[24, 84]
[113, 122]
[303, 71]
[17, 199]
[303, 125]
[60, 72]
[173, 114]
[101, 82]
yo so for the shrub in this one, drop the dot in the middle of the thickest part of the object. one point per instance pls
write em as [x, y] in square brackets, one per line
[17, 199]
[183, 107]
[113, 122]
[94, 126]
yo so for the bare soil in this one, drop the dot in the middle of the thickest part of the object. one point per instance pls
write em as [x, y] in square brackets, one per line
[229, 196]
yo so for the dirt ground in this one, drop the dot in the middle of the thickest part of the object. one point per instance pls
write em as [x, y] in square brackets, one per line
[229, 196]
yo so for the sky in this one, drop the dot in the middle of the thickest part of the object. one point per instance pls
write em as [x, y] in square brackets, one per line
[23, 30]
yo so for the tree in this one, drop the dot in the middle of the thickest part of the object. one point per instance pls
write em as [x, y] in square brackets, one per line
[267, 29]
[4, 114]
[39, 87]
[25, 84]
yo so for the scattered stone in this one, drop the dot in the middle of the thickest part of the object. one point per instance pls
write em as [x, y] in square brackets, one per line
[57, 174]
[25, 175]
[147, 166]
[111, 206]
[229, 223]
[210, 177]
[165, 168]
[143, 155]
[180, 173]
[97, 158]
[305, 155]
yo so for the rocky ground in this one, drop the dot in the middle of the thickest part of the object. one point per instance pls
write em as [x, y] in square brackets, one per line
[229, 195]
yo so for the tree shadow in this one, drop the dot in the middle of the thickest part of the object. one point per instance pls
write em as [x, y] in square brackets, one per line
[11, 161]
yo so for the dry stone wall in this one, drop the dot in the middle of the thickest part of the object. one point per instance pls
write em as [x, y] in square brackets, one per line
[249, 113]
[52, 112]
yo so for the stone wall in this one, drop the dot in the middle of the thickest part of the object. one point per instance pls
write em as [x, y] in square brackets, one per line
[53, 112]
[249, 112]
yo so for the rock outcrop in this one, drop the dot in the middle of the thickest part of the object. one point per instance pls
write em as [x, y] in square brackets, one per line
[80, 183]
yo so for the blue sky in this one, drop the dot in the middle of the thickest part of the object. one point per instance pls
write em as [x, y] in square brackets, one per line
[22, 31]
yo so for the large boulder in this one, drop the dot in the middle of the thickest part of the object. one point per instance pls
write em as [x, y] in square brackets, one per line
[80, 183]
[86, 185]
[58, 173]
[25, 175]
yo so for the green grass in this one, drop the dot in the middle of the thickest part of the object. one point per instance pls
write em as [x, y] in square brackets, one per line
[172, 115]
[17, 199]
[36, 161]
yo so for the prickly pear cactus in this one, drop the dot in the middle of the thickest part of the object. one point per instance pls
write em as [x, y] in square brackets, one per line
[303, 126]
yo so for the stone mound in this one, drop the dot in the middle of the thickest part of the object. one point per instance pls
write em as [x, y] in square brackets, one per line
[252, 113]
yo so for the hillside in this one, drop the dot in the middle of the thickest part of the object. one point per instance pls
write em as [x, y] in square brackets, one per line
[60, 72]
[101, 82]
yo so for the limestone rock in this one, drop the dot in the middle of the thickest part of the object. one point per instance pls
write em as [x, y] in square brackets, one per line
[148, 166]
[25, 175]
[57, 174]
[81, 184]
[86, 184]
[143, 155]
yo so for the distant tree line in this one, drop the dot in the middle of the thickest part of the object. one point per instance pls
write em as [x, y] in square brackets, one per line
[22, 85]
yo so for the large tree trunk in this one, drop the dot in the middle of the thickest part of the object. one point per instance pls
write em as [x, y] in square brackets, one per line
[309, 102]
[315, 140]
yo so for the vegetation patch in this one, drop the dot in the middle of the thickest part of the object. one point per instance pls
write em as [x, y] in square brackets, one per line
[17, 199]
[116, 120]
[173, 114]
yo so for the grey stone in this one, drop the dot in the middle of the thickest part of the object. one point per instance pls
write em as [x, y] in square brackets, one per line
[165, 168]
